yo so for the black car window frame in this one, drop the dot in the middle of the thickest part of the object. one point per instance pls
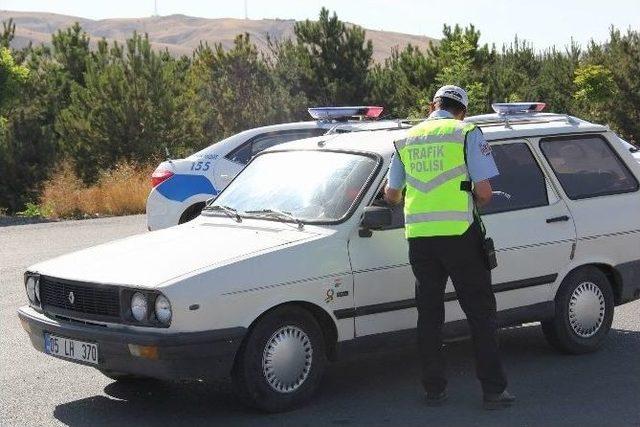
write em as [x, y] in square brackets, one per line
[540, 169]
[249, 143]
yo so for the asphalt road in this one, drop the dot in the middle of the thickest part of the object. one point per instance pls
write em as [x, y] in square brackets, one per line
[599, 389]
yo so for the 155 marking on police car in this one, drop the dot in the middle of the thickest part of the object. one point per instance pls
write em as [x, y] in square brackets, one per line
[203, 166]
[71, 349]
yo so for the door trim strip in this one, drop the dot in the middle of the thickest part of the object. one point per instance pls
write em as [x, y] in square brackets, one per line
[448, 296]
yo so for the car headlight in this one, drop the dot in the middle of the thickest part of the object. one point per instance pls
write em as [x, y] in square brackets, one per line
[31, 289]
[163, 309]
[139, 306]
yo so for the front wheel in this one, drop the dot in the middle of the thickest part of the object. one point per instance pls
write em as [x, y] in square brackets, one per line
[281, 362]
[584, 312]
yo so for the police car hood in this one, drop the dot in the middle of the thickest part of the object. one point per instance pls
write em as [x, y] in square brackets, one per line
[150, 259]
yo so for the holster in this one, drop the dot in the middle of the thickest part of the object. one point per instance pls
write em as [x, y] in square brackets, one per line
[489, 253]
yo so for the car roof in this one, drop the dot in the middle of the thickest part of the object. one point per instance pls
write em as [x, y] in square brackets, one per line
[494, 127]
[226, 145]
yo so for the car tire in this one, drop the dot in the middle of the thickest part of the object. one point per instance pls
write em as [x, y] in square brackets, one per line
[281, 362]
[191, 212]
[584, 308]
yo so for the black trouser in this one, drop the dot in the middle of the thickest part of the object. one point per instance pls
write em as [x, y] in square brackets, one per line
[434, 260]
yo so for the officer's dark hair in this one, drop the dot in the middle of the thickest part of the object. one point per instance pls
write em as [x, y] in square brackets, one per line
[450, 105]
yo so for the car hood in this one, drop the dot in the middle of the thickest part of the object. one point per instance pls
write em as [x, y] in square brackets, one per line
[150, 259]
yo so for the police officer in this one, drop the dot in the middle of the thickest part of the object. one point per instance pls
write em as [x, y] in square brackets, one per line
[436, 163]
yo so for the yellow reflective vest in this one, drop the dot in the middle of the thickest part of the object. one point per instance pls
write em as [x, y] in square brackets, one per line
[433, 155]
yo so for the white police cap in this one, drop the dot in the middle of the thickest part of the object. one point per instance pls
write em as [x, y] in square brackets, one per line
[453, 92]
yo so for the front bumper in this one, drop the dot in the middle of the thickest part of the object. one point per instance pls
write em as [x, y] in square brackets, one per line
[185, 355]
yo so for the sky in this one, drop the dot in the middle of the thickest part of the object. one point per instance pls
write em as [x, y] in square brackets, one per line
[542, 22]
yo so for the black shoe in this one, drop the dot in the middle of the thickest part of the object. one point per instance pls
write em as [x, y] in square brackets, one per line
[436, 399]
[498, 400]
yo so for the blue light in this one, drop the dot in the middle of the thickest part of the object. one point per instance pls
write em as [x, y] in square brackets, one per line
[518, 107]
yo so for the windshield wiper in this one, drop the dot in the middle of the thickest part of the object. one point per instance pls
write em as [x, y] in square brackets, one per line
[278, 214]
[231, 212]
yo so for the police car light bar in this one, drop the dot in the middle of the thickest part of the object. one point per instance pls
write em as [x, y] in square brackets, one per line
[342, 113]
[504, 108]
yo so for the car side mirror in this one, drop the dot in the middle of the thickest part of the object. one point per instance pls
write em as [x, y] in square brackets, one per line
[375, 218]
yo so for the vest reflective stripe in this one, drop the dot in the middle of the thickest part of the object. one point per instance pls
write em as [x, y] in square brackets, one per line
[434, 161]
[436, 216]
[451, 138]
[425, 187]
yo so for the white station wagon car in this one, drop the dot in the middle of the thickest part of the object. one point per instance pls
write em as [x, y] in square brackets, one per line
[180, 187]
[296, 261]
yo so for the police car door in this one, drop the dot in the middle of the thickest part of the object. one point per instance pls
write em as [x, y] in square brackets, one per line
[531, 226]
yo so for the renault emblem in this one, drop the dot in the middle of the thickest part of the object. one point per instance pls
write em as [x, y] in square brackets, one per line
[71, 297]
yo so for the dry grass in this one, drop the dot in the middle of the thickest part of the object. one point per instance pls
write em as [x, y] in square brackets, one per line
[120, 191]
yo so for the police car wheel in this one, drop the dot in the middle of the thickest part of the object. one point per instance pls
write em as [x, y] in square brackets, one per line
[191, 213]
[281, 362]
[584, 311]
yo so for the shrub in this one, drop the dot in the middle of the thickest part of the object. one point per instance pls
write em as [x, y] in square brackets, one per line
[122, 190]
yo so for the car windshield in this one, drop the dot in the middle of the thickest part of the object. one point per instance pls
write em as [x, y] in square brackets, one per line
[315, 186]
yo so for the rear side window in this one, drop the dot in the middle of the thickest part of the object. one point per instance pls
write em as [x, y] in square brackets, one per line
[246, 151]
[587, 166]
[521, 183]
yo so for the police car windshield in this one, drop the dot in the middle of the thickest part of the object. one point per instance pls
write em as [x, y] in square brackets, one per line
[308, 185]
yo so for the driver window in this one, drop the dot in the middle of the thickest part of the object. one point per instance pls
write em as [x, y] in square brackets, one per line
[521, 183]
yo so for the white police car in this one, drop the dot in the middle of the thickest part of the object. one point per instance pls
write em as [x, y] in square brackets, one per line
[295, 262]
[181, 187]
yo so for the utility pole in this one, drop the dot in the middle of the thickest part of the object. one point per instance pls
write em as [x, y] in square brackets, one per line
[155, 7]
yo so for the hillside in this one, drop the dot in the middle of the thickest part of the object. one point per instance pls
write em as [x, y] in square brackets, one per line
[181, 34]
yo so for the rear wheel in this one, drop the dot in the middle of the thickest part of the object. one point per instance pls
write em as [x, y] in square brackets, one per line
[584, 312]
[191, 213]
[281, 362]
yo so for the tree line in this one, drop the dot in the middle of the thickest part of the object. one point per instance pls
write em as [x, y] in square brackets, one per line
[126, 101]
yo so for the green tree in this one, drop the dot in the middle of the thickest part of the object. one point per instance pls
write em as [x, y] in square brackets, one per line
[332, 60]
[8, 33]
[620, 56]
[236, 89]
[405, 78]
[462, 61]
[596, 90]
[25, 144]
[129, 108]
[12, 79]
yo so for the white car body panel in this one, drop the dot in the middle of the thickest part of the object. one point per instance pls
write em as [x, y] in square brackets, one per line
[236, 272]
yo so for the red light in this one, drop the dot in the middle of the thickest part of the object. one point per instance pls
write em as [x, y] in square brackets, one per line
[344, 113]
[373, 112]
[160, 176]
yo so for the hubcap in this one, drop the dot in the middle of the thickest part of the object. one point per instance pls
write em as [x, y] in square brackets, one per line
[586, 309]
[287, 357]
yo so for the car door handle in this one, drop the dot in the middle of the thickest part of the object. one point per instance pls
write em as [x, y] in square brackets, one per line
[558, 219]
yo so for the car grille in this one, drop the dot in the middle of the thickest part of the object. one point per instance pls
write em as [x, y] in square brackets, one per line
[95, 301]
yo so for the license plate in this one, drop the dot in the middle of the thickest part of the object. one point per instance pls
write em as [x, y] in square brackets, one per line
[71, 349]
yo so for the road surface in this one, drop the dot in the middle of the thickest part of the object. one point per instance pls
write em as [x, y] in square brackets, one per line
[381, 389]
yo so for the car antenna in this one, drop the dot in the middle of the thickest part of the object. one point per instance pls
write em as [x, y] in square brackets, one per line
[166, 152]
